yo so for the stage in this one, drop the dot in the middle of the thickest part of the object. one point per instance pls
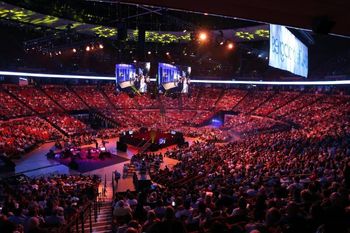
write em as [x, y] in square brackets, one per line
[85, 159]
[150, 138]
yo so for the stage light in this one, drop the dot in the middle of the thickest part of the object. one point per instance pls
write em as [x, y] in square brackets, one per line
[59, 52]
[184, 31]
[92, 47]
[221, 43]
[101, 46]
[167, 53]
[149, 52]
[203, 36]
[87, 48]
[230, 46]
[135, 61]
[74, 50]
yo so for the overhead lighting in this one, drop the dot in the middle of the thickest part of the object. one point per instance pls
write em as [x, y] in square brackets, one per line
[59, 52]
[87, 48]
[74, 50]
[149, 52]
[230, 45]
[184, 31]
[167, 53]
[203, 36]
[100, 46]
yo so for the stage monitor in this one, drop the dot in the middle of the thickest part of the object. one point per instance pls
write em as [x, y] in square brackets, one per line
[172, 77]
[162, 141]
[134, 77]
[287, 52]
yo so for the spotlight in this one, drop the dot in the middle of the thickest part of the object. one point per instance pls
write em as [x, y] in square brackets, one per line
[92, 47]
[135, 61]
[87, 48]
[203, 36]
[184, 31]
[230, 46]
[59, 52]
[74, 50]
[149, 52]
[167, 53]
[101, 46]
[221, 43]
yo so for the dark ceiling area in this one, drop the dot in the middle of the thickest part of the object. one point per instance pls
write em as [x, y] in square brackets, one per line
[111, 13]
[328, 54]
[322, 15]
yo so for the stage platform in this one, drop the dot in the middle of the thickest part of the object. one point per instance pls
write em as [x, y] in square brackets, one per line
[153, 139]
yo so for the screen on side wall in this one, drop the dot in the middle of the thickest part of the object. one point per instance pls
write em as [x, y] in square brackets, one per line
[287, 52]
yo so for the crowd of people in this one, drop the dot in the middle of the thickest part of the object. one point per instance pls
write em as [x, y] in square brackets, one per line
[289, 181]
[64, 97]
[273, 179]
[18, 136]
[39, 205]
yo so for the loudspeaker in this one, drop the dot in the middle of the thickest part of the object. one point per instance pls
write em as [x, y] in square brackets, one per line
[322, 25]
[122, 31]
[141, 43]
[122, 146]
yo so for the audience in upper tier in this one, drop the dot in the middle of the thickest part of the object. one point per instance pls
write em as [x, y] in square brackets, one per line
[18, 136]
[64, 97]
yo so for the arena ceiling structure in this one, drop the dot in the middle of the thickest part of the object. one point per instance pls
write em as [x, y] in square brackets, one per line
[326, 16]
[172, 27]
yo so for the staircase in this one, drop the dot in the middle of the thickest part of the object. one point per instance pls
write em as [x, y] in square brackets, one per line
[145, 146]
[103, 223]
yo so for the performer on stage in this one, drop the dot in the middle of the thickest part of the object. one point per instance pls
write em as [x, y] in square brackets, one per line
[185, 84]
[143, 84]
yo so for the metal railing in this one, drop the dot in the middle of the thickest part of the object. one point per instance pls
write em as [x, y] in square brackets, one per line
[78, 222]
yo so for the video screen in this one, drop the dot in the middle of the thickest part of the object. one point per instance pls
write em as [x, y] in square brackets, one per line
[287, 52]
[133, 76]
[174, 78]
[162, 141]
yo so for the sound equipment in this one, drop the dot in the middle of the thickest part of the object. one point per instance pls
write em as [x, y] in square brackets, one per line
[141, 43]
[6, 164]
[122, 146]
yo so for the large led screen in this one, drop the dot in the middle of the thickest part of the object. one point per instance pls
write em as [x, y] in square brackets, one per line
[287, 52]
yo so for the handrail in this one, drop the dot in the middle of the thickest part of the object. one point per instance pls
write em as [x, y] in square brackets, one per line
[92, 208]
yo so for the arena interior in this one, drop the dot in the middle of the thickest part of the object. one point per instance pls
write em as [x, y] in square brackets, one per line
[174, 116]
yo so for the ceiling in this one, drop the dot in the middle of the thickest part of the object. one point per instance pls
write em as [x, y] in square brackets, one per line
[297, 13]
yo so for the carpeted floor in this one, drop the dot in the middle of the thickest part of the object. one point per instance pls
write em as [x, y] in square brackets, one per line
[86, 165]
